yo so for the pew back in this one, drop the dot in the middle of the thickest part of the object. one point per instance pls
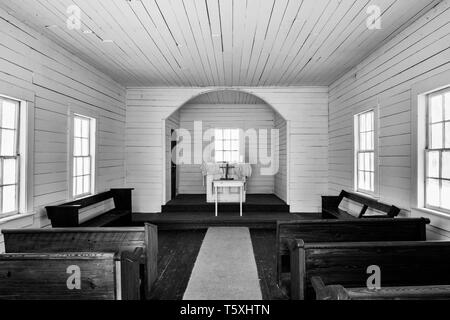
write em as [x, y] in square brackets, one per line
[346, 231]
[401, 264]
[54, 276]
[115, 240]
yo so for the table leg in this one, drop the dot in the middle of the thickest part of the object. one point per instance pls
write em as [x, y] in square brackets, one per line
[240, 200]
[216, 196]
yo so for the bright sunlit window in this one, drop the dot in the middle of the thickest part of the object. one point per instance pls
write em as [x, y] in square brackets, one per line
[83, 177]
[365, 152]
[9, 156]
[437, 153]
[227, 145]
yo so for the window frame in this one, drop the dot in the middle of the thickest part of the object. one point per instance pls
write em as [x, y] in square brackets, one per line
[371, 106]
[223, 150]
[427, 150]
[92, 154]
[17, 157]
[25, 150]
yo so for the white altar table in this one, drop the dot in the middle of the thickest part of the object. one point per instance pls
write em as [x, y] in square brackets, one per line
[228, 184]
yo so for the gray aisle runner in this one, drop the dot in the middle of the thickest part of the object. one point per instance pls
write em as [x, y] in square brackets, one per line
[225, 268]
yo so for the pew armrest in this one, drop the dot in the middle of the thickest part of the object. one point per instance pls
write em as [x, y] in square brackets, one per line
[324, 292]
[64, 215]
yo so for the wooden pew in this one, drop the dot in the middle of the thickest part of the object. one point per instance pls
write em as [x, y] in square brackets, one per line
[330, 207]
[413, 263]
[55, 276]
[338, 292]
[67, 215]
[91, 240]
[345, 231]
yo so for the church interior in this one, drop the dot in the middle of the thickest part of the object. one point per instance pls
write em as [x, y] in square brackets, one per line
[224, 150]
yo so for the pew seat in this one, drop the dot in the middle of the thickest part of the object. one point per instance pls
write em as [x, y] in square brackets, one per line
[70, 276]
[338, 292]
[66, 215]
[331, 210]
[408, 229]
[411, 263]
[116, 240]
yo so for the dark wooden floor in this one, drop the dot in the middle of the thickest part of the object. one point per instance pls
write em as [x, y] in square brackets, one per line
[178, 251]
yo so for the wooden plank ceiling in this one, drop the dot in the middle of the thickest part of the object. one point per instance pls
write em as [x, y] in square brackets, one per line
[220, 42]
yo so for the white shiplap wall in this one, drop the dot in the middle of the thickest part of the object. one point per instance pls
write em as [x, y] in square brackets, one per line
[280, 183]
[34, 69]
[387, 76]
[236, 116]
[306, 109]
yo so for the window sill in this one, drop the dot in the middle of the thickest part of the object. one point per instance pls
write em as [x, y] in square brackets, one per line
[15, 217]
[437, 213]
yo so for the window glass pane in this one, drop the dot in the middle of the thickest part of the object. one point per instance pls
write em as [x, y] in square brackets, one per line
[445, 195]
[79, 166]
[84, 147]
[77, 147]
[446, 166]
[361, 180]
[8, 143]
[9, 171]
[85, 128]
[227, 134]
[367, 161]
[372, 181]
[372, 162]
[367, 184]
[369, 141]
[362, 142]
[433, 165]
[227, 145]
[86, 184]
[361, 161]
[362, 123]
[79, 181]
[75, 191]
[447, 106]
[235, 134]
[369, 119]
[227, 156]
[9, 110]
[235, 145]
[9, 199]
[235, 156]
[447, 135]
[77, 127]
[436, 136]
[433, 192]
[219, 156]
[436, 109]
[87, 166]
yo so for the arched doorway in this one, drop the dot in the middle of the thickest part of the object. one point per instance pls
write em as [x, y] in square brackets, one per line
[227, 109]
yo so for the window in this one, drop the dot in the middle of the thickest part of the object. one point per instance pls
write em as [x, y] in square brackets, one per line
[9, 156]
[365, 152]
[227, 145]
[83, 176]
[437, 151]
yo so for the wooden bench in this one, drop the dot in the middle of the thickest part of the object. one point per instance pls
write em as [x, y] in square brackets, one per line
[413, 263]
[345, 231]
[55, 276]
[338, 292]
[67, 215]
[330, 207]
[114, 240]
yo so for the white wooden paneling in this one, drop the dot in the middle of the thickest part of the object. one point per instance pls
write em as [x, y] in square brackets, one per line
[280, 183]
[56, 81]
[236, 116]
[305, 107]
[419, 52]
[199, 43]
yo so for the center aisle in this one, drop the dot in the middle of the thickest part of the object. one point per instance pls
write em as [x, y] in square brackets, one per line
[225, 268]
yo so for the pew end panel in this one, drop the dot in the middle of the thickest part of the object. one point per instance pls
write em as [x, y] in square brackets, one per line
[68, 276]
[318, 231]
[151, 247]
[414, 263]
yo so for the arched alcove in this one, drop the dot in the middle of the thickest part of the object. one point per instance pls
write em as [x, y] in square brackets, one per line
[226, 109]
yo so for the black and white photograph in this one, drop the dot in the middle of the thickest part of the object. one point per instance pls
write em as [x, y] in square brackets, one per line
[229, 156]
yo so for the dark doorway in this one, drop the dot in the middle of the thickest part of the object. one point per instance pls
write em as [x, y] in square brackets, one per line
[173, 169]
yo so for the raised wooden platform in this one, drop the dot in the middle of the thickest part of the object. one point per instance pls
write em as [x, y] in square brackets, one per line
[255, 203]
[204, 220]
